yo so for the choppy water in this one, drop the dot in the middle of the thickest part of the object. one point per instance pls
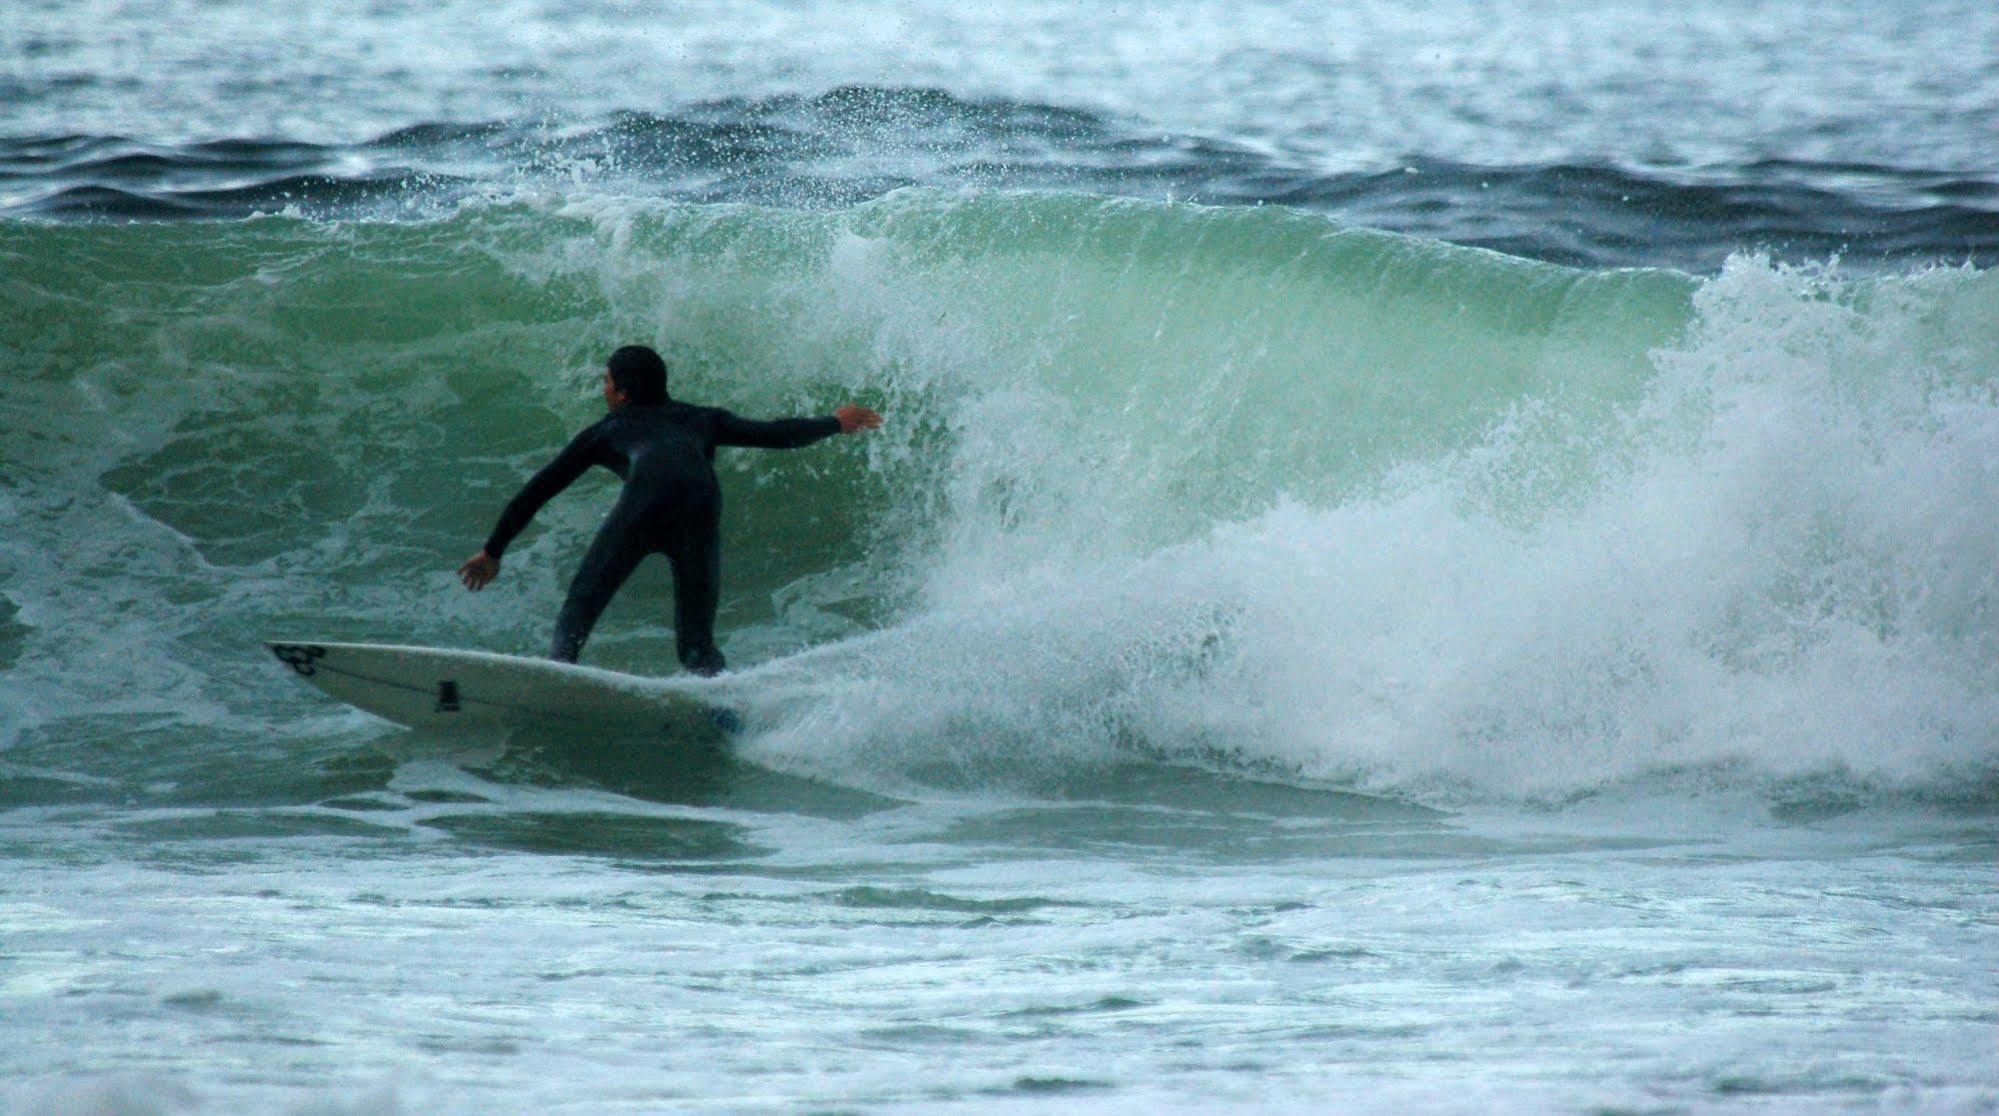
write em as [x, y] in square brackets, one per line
[1282, 654]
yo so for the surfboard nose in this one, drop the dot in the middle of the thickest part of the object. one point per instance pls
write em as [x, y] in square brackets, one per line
[446, 689]
[301, 657]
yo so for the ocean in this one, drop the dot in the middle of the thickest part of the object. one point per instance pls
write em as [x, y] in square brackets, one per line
[1421, 560]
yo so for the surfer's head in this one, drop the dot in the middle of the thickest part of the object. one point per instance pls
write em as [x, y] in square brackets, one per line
[634, 374]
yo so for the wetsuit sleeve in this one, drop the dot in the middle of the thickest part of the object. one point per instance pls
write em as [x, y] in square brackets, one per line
[574, 460]
[788, 433]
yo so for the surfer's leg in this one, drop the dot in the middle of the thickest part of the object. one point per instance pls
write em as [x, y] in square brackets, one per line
[697, 583]
[610, 560]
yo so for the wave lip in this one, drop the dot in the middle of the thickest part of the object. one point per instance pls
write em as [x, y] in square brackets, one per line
[1600, 214]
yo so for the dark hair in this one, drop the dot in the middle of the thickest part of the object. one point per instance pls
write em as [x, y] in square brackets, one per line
[640, 373]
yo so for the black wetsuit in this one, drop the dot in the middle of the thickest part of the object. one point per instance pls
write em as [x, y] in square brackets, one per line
[671, 505]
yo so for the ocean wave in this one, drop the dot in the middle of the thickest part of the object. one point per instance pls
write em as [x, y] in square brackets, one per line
[1214, 486]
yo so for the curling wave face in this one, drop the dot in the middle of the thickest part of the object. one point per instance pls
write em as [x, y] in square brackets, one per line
[1241, 487]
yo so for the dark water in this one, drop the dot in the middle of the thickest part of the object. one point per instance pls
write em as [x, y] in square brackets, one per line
[1581, 133]
[851, 144]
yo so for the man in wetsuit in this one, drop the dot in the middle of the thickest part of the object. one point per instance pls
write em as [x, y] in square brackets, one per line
[671, 504]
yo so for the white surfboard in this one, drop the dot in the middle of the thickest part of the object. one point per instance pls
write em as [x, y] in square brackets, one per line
[436, 688]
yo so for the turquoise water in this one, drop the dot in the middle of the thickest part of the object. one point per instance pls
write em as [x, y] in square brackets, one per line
[1280, 655]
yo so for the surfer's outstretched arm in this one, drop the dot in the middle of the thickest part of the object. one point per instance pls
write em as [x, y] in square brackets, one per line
[574, 460]
[791, 433]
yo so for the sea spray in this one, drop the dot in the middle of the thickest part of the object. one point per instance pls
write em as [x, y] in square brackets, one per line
[1776, 566]
[1772, 564]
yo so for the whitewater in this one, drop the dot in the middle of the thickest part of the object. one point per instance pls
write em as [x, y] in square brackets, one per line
[1492, 608]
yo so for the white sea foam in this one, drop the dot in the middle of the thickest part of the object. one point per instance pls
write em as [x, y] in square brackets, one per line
[1776, 562]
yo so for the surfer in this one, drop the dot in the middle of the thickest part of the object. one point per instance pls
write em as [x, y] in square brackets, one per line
[664, 450]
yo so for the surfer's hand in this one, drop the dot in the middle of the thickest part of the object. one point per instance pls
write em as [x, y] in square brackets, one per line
[853, 418]
[478, 570]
